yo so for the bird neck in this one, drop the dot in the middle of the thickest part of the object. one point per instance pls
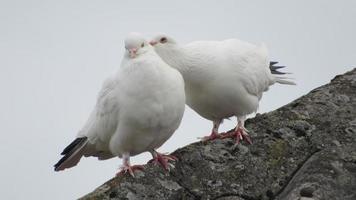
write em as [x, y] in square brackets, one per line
[176, 57]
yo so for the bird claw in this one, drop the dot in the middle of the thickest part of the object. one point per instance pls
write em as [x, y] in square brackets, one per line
[240, 134]
[130, 169]
[163, 160]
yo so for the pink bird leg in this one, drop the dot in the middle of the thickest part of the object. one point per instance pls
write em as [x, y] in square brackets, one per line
[127, 168]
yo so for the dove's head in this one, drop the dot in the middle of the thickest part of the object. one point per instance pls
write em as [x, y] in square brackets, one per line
[162, 40]
[135, 45]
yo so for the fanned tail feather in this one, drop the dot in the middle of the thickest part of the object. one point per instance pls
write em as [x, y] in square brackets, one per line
[279, 79]
[282, 80]
[72, 154]
[274, 68]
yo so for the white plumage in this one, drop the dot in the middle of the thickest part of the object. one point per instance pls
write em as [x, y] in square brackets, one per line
[222, 78]
[137, 110]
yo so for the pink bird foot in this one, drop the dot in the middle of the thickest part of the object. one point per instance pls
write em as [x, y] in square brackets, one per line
[130, 169]
[212, 136]
[214, 132]
[240, 134]
[163, 160]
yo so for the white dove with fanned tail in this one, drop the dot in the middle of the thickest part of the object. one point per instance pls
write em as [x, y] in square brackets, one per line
[222, 78]
[137, 110]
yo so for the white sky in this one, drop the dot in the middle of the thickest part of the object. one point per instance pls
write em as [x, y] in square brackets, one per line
[54, 56]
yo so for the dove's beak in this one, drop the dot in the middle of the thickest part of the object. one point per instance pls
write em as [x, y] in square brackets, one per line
[153, 43]
[133, 52]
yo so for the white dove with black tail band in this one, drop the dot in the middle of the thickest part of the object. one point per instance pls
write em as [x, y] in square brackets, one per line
[137, 110]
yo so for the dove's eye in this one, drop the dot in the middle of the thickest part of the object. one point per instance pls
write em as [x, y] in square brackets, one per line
[142, 45]
[163, 40]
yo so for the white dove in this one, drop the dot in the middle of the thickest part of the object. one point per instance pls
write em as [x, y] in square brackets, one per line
[222, 78]
[136, 111]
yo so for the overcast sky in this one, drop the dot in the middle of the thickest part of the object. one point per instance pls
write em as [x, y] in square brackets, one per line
[54, 56]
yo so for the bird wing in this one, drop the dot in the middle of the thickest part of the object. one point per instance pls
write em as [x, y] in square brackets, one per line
[246, 62]
[252, 64]
[94, 138]
[103, 120]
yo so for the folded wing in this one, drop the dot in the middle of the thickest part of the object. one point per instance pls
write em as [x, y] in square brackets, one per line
[94, 138]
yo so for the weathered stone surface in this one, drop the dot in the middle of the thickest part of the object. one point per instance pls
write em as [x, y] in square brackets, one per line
[304, 150]
[328, 174]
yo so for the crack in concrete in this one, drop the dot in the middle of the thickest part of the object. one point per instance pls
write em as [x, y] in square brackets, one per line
[244, 197]
[188, 190]
[290, 178]
[176, 179]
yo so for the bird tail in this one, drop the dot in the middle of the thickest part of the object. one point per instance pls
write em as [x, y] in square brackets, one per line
[72, 154]
[280, 79]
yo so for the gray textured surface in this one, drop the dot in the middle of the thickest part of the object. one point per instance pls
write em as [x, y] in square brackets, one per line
[304, 150]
